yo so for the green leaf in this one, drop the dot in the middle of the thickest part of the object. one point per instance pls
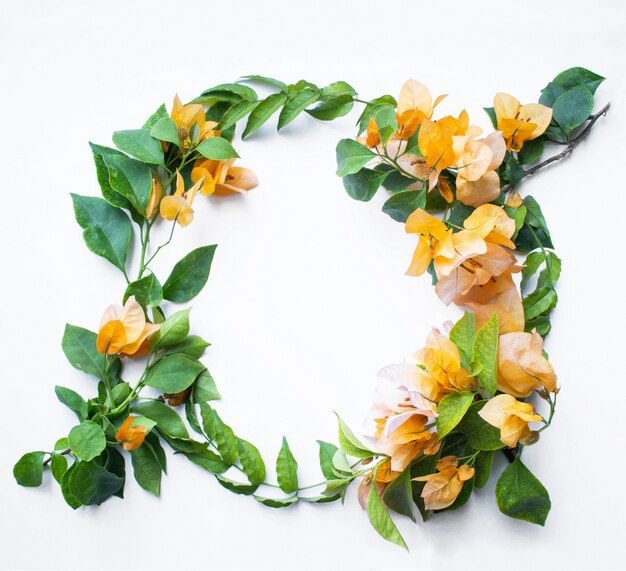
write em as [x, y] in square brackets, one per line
[352, 157]
[479, 434]
[295, 104]
[147, 291]
[146, 468]
[173, 373]
[237, 487]
[140, 144]
[401, 205]
[539, 302]
[79, 346]
[208, 460]
[28, 471]
[380, 519]
[159, 114]
[350, 444]
[102, 172]
[192, 346]
[165, 129]
[531, 151]
[482, 465]
[106, 229]
[277, 502]
[131, 178]
[87, 440]
[242, 91]
[65, 488]
[251, 461]
[398, 495]
[576, 76]
[531, 265]
[363, 184]
[492, 116]
[116, 464]
[172, 331]
[572, 108]
[522, 496]
[236, 112]
[287, 469]
[58, 466]
[513, 170]
[167, 420]
[451, 410]
[327, 453]
[462, 335]
[550, 274]
[262, 112]
[61, 444]
[189, 275]
[486, 354]
[269, 81]
[223, 434]
[382, 109]
[91, 484]
[332, 108]
[204, 388]
[217, 148]
[73, 401]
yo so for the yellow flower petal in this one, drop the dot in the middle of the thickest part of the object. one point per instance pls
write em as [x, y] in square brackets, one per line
[415, 95]
[506, 107]
[539, 115]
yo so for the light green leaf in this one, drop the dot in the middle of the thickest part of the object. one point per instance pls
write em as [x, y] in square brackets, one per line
[522, 496]
[73, 401]
[165, 129]
[237, 487]
[332, 108]
[486, 354]
[28, 471]
[380, 519]
[192, 346]
[350, 444]
[146, 468]
[217, 148]
[173, 373]
[479, 434]
[236, 112]
[204, 388]
[79, 346]
[451, 410]
[172, 331]
[287, 469]
[462, 335]
[58, 466]
[87, 440]
[269, 81]
[140, 144]
[327, 453]
[262, 112]
[147, 291]
[539, 302]
[167, 420]
[189, 275]
[106, 229]
[251, 461]
[277, 502]
[352, 157]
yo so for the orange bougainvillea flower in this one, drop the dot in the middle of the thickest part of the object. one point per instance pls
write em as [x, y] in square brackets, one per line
[373, 135]
[511, 417]
[221, 178]
[415, 103]
[522, 367]
[507, 304]
[478, 182]
[131, 437]
[155, 196]
[520, 123]
[444, 487]
[178, 205]
[124, 330]
[442, 360]
[435, 239]
[407, 441]
[189, 116]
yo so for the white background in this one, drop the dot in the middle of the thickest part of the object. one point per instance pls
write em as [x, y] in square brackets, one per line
[307, 297]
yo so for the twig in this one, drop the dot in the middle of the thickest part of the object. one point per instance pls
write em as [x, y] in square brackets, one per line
[49, 459]
[567, 150]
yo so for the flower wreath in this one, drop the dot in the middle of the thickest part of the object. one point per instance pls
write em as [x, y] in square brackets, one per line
[436, 422]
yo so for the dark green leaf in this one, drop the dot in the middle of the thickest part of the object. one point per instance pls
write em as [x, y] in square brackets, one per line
[205, 388]
[28, 471]
[91, 484]
[106, 229]
[165, 129]
[451, 410]
[189, 275]
[172, 332]
[146, 468]
[192, 346]
[401, 205]
[332, 108]
[479, 434]
[482, 465]
[531, 151]
[277, 503]
[398, 495]
[521, 496]
[58, 466]
[208, 460]
[79, 346]
[73, 401]
[159, 114]
[263, 111]
[242, 91]
[167, 419]
[287, 469]
[102, 172]
[147, 291]
[269, 81]
[513, 170]
[68, 496]
[363, 184]
[295, 104]
[572, 108]
[576, 76]
[173, 373]
[131, 178]
[236, 112]
[140, 144]
[539, 302]
[87, 440]
[492, 116]
[237, 487]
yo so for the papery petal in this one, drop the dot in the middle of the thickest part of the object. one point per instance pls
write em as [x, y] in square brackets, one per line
[133, 319]
[111, 337]
[505, 106]
[476, 193]
[415, 95]
[421, 258]
[538, 114]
